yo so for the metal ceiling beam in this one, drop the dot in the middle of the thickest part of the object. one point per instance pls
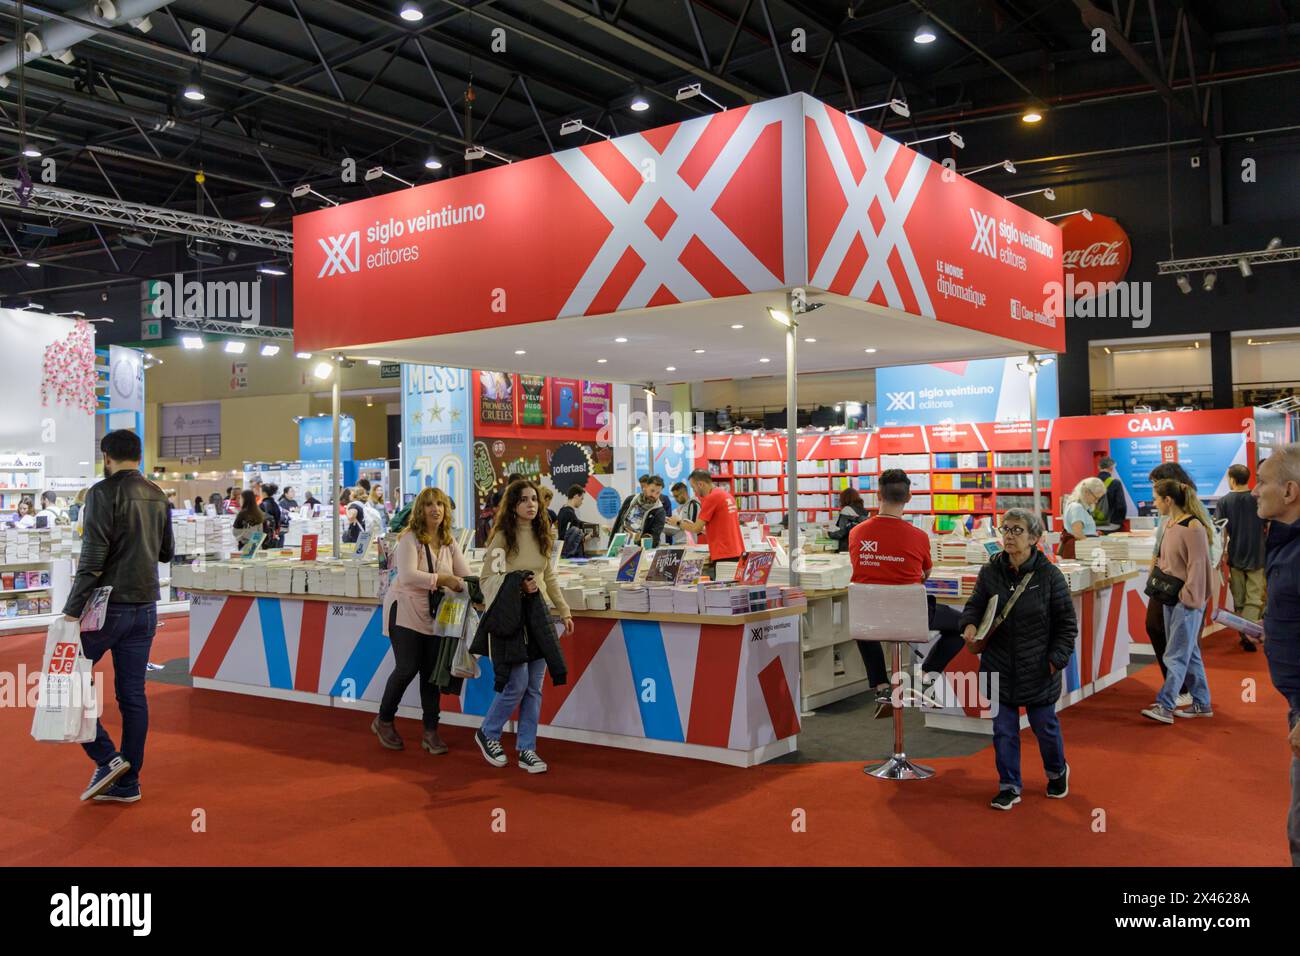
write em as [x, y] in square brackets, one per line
[645, 46]
[45, 200]
[974, 47]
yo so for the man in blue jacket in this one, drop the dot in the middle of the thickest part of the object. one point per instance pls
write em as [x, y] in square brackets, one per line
[1277, 489]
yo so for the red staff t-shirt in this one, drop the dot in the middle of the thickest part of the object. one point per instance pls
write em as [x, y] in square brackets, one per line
[885, 550]
[722, 522]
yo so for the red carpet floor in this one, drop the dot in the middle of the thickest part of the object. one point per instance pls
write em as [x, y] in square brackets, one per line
[284, 784]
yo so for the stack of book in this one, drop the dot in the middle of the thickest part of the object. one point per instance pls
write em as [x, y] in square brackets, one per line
[958, 582]
[632, 598]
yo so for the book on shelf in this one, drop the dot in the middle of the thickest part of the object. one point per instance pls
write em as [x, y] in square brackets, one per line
[629, 559]
[755, 567]
[663, 569]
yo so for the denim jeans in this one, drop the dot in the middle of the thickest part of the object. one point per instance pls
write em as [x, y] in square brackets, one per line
[1183, 664]
[523, 687]
[1006, 742]
[1284, 669]
[128, 633]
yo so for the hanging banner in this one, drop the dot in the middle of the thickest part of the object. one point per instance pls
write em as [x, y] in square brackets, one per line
[496, 404]
[532, 399]
[986, 390]
[436, 435]
[316, 438]
[565, 403]
[1097, 249]
[595, 403]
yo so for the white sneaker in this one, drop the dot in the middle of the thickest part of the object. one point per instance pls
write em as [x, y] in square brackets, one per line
[1184, 700]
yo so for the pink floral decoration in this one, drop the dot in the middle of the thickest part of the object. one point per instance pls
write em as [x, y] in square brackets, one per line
[68, 374]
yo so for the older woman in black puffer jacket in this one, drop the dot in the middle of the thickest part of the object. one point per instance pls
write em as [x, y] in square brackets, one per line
[1026, 652]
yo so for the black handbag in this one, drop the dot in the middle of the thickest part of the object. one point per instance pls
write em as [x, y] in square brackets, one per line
[1163, 586]
[435, 597]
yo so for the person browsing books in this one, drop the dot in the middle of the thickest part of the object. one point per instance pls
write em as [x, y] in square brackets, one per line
[887, 549]
[1245, 548]
[719, 518]
[1024, 652]
[428, 561]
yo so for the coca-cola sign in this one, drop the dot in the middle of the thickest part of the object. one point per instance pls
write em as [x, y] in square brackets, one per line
[1096, 250]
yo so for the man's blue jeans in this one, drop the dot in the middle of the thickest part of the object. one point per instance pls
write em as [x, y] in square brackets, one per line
[1284, 668]
[128, 633]
[1006, 742]
[523, 687]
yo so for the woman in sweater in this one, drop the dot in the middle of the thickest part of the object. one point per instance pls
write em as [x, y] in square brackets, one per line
[428, 560]
[1185, 555]
[250, 519]
[521, 540]
[1025, 654]
[852, 511]
[1076, 516]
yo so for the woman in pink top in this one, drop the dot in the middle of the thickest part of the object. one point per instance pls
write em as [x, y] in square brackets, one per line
[427, 560]
[1184, 554]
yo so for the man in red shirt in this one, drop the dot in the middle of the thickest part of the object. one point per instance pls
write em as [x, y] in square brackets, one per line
[887, 549]
[718, 516]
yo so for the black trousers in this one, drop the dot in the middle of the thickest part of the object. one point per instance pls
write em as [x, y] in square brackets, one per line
[415, 653]
[1159, 640]
[943, 619]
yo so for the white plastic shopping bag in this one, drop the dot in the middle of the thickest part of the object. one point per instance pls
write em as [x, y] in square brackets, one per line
[452, 612]
[66, 709]
[463, 663]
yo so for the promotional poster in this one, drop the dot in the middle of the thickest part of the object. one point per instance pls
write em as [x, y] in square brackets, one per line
[532, 400]
[436, 434]
[496, 398]
[984, 390]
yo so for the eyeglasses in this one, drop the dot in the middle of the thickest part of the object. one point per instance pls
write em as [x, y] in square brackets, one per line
[1012, 530]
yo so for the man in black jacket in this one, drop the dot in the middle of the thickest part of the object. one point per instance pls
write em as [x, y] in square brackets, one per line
[1113, 508]
[1026, 653]
[643, 515]
[128, 533]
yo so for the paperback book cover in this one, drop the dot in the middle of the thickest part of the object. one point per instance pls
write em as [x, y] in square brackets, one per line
[689, 571]
[254, 542]
[309, 547]
[629, 559]
[754, 567]
[664, 568]
[616, 544]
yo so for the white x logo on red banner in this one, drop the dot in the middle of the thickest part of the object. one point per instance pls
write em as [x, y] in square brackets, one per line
[342, 253]
[856, 220]
[984, 241]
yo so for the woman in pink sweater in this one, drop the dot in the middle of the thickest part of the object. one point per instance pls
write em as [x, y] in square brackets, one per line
[1184, 554]
[427, 560]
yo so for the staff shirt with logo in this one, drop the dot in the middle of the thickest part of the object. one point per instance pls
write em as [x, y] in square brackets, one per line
[888, 550]
[722, 522]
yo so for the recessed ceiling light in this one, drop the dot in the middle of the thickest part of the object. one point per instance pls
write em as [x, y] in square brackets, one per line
[1031, 116]
[868, 350]
[433, 162]
[601, 361]
[412, 13]
[520, 352]
[374, 362]
[737, 326]
[620, 339]
[671, 368]
[266, 202]
[924, 34]
[810, 341]
[765, 360]
[699, 351]
[303, 355]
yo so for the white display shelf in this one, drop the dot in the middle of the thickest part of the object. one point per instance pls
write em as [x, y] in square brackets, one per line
[4, 594]
[38, 622]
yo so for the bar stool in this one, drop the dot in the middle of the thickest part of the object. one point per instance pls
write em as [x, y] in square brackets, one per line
[897, 614]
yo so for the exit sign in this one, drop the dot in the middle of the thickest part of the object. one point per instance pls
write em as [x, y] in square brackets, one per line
[390, 370]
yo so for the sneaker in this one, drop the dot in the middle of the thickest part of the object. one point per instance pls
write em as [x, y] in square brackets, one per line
[529, 760]
[492, 750]
[1183, 700]
[120, 793]
[1005, 800]
[1058, 788]
[1156, 712]
[105, 776]
[1196, 710]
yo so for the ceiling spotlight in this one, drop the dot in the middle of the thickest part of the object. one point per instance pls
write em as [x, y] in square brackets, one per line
[270, 269]
[781, 317]
[1031, 116]
[639, 102]
[323, 370]
[304, 189]
[620, 340]
[924, 34]
[31, 152]
[1207, 282]
[671, 368]
[478, 152]
[433, 162]
[811, 341]
[268, 349]
[374, 361]
[373, 173]
[412, 13]
[235, 347]
[1047, 191]
[737, 326]
[601, 361]
[699, 351]
[193, 91]
[577, 126]
[1085, 213]
[33, 265]
[869, 351]
[898, 106]
[952, 137]
[1005, 164]
[694, 90]
[192, 341]
[1184, 283]
[765, 360]
[1244, 265]
[302, 355]
[1274, 243]
[266, 202]
[520, 352]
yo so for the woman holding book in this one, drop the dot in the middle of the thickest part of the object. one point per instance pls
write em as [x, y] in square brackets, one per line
[520, 541]
[428, 562]
[250, 519]
[1023, 652]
